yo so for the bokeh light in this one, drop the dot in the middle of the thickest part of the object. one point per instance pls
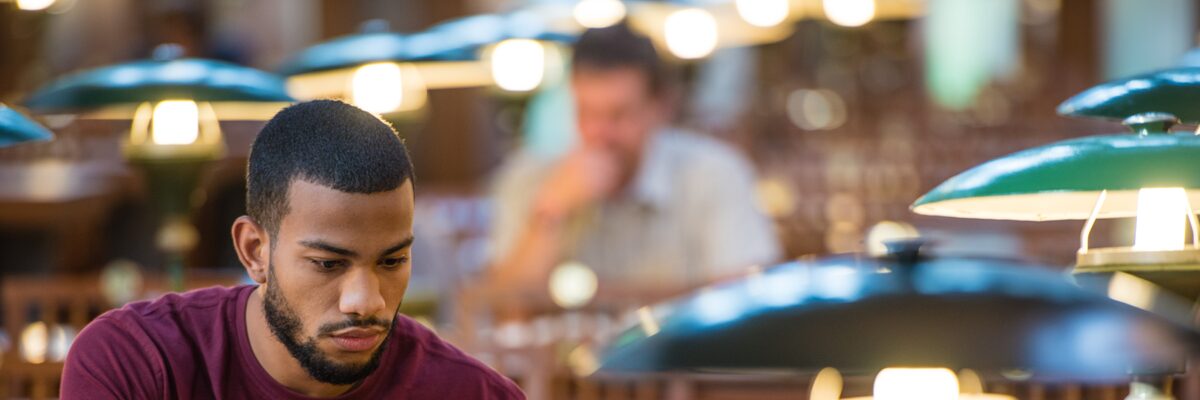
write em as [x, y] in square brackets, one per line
[763, 13]
[849, 13]
[691, 33]
[518, 65]
[599, 13]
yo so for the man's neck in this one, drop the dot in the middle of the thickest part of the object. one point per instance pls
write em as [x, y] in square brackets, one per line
[274, 357]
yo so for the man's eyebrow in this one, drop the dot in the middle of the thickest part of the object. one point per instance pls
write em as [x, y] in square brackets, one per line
[323, 246]
[399, 246]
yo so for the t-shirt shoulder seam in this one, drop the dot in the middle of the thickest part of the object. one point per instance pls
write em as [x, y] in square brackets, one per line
[144, 343]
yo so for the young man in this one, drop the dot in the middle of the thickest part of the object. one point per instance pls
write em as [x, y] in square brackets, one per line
[327, 239]
[647, 207]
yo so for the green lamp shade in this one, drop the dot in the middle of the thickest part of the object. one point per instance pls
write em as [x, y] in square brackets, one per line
[348, 51]
[136, 82]
[1062, 181]
[465, 36]
[843, 312]
[1174, 91]
[16, 128]
[454, 40]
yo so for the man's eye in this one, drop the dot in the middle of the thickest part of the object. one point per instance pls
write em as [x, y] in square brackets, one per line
[393, 262]
[328, 265]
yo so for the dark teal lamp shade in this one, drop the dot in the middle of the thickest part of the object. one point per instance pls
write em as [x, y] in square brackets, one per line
[463, 36]
[1061, 181]
[17, 128]
[1174, 91]
[200, 80]
[842, 312]
[348, 51]
[454, 40]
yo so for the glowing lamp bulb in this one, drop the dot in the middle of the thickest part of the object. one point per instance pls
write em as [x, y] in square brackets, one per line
[35, 343]
[599, 13]
[1161, 219]
[518, 65]
[916, 384]
[691, 33]
[377, 87]
[849, 13]
[175, 122]
[34, 5]
[572, 285]
[762, 13]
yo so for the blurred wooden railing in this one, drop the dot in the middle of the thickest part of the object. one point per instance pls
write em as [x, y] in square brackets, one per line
[70, 301]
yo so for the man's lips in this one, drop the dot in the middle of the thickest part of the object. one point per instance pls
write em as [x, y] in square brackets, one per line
[356, 340]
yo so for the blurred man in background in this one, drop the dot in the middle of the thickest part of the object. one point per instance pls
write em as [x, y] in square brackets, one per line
[647, 207]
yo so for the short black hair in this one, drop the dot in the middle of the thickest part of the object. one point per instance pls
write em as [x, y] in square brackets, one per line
[326, 142]
[618, 46]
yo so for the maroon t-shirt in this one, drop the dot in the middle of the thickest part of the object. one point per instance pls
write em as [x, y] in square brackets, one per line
[195, 346]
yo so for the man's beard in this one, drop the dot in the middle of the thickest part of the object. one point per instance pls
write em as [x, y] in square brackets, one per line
[286, 327]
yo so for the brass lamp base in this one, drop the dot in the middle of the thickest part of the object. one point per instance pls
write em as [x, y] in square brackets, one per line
[1177, 271]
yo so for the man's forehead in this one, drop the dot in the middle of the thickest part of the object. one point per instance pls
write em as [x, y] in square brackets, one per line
[336, 213]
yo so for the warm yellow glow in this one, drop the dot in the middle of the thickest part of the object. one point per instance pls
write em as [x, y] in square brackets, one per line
[518, 65]
[649, 323]
[763, 13]
[582, 361]
[775, 197]
[34, 5]
[377, 87]
[1132, 290]
[175, 122]
[849, 12]
[827, 385]
[691, 33]
[599, 13]
[916, 384]
[1161, 219]
[35, 343]
[887, 231]
[969, 382]
[572, 285]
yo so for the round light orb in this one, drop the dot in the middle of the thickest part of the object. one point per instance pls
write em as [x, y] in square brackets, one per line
[518, 65]
[818, 109]
[377, 87]
[175, 122]
[599, 13]
[849, 13]
[762, 13]
[572, 285]
[691, 33]
[35, 342]
[34, 5]
[916, 384]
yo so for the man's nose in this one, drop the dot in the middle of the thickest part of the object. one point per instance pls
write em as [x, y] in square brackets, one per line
[361, 293]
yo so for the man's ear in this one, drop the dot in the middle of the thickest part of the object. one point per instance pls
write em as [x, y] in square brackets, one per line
[253, 247]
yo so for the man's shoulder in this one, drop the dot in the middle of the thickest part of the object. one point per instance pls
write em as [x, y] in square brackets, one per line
[698, 148]
[150, 326]
[441, 360]
[699, 160]
[199, 305]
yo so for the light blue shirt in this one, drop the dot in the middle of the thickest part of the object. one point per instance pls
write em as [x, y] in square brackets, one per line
[688, 217]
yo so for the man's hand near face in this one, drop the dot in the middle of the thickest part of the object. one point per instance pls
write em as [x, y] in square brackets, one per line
[585, 176]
